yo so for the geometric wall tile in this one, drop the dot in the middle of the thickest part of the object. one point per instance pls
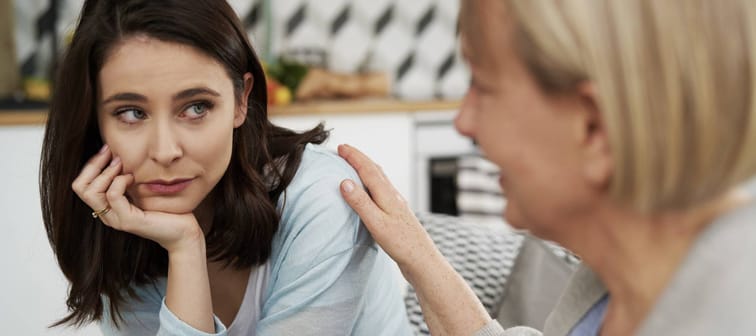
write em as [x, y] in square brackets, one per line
[390, 48]
[410, 12]
[416, 84]
[349, 48]
[434, 44]
[369, 11]
[411, 40]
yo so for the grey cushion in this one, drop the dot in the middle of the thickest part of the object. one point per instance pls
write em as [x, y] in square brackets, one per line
[486, 257]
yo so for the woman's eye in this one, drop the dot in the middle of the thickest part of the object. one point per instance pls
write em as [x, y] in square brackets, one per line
[131, 115]
[197, 110]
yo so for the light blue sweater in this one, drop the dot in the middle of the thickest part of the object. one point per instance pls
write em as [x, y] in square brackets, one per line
[327, 275]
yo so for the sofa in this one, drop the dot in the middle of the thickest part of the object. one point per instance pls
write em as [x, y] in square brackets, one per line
[516, 276]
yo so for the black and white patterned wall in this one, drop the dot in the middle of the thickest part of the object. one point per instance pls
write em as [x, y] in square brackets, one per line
[413, 41]
[40, 26]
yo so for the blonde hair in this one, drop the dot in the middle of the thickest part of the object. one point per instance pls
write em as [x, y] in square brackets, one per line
[675, 82]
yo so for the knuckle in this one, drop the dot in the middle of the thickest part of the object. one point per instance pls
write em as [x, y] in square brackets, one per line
[383, 221]
[360, 200]
[374, 170]
[108, 171]
[111, 195]
[112, 169]
[76, 186]
[115, 182]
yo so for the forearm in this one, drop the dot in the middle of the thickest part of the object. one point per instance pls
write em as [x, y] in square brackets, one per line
[449, 305]
[188, 287]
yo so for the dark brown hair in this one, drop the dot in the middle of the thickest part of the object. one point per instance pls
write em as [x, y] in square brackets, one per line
[98, 260]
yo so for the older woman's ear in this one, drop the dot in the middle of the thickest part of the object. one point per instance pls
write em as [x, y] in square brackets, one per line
[596, 149]
[241, 110]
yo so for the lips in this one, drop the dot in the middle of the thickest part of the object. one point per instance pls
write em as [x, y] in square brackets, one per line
[168, 187]
[501, 185]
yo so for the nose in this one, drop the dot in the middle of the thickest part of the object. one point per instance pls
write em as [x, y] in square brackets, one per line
[463, 122]
[165, 147]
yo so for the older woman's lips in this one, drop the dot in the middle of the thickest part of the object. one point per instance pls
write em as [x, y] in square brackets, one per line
[501, 185]
[168, 187]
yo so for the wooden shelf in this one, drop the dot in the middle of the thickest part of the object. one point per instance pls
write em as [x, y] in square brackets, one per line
[39, 117]
[19, 118]
[361, 106]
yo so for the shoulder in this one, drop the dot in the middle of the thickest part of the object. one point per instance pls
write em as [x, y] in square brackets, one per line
[319, 164]
[725, 252]
[315, 186]
[314, 216]
[713, 290]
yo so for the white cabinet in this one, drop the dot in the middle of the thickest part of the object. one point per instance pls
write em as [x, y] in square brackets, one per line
[435, 138]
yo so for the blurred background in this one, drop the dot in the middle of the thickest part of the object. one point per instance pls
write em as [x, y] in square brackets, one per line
[413, 42]
[407, 77]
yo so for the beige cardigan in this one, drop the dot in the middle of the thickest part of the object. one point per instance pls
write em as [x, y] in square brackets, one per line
[713, 292]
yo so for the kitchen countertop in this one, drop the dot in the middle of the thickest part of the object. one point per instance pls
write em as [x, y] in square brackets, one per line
[356, 106]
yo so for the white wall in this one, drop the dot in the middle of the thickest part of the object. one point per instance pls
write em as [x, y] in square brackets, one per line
[32, 289]
[388, 138]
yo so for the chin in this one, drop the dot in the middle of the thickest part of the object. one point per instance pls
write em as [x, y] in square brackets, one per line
[513, 217]
[169, 205]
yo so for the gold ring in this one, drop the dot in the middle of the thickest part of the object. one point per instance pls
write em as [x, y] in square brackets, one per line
[101, 212]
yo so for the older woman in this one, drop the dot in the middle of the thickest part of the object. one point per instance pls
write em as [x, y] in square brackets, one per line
[622, 130]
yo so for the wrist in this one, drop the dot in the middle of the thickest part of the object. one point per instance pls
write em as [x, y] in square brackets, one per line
[191, 244]
[423, 265]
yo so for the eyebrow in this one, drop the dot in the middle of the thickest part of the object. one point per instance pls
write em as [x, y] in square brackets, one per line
[188, 93]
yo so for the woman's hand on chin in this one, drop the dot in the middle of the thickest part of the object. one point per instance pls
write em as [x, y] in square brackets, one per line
[102, 186]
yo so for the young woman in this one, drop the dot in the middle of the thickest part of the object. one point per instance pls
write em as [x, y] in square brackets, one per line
[176, 208]
[623, 130]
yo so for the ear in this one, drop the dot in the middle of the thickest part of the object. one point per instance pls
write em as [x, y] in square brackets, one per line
[598, 165]
[241, 110]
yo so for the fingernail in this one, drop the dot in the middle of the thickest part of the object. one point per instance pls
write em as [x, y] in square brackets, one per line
[347, 186]
[104, 148]
[115, 161]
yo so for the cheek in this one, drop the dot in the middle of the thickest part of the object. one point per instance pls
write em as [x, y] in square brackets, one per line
[502, 145]
[131, 150]
[213, 149]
